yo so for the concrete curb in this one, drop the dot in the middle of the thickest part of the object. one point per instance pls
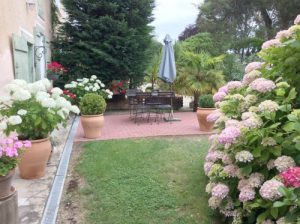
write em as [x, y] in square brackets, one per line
[52, 206]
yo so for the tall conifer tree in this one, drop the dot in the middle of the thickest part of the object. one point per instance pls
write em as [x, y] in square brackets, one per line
[107, 38]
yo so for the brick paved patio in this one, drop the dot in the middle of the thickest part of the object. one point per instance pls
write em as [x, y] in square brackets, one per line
[122, 127]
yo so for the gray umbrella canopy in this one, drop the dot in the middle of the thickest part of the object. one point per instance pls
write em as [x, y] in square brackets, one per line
[167, 70]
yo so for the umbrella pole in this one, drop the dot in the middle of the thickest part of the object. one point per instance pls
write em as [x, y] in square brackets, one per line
[172, 118]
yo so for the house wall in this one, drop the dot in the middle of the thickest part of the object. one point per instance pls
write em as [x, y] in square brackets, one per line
[19, 18]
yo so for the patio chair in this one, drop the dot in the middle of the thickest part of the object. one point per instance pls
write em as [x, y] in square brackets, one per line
[139, 106]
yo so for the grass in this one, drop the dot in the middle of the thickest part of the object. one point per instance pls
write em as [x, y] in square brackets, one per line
[145, 181]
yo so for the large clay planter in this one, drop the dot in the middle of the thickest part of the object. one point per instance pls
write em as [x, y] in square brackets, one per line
[92, 125]
[9, 208]
[34, 160]
[5, 184]
[202, 114]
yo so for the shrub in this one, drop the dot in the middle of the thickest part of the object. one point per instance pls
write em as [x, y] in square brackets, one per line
[258, 139]
[92, 104]
[206, 101]
[80, 87]
[33, 110]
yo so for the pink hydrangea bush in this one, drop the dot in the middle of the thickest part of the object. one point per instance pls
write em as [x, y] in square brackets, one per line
[253, 155]
[10, 149]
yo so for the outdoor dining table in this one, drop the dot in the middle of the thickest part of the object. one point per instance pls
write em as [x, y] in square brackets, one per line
[149, 103]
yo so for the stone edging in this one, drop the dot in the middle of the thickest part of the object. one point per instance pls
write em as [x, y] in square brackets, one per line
[52, 206]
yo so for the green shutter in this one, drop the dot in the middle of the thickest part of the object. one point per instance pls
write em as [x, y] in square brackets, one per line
[21, 62]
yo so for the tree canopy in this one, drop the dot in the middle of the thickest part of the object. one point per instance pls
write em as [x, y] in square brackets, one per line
[106, 38]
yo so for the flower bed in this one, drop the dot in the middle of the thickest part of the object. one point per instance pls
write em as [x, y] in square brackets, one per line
[253, 159]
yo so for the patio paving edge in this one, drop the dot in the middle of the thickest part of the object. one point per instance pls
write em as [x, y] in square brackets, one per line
[52, 206]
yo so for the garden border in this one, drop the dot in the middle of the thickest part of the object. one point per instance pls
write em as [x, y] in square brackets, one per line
[52, 206]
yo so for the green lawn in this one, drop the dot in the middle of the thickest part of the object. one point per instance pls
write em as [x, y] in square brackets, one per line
[145, 181]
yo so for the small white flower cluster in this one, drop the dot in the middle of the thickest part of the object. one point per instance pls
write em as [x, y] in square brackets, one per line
[91, 85]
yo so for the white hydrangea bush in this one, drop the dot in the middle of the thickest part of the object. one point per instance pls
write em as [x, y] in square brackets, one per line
[257, 141]
[80, 87]
[33, 110]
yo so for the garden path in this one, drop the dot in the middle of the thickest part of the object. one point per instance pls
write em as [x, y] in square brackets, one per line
[120, 126]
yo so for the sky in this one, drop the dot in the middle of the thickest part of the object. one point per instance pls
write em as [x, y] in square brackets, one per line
[172, 16]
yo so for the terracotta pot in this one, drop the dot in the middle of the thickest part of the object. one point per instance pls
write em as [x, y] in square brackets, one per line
[33, 161]
[202, 114]
[5, 183]
[92, 125]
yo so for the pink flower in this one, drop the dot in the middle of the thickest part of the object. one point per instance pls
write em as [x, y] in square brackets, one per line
[250, 77]
[231, 170]
[234, 85]
[269, 190]
[297, 20]
[291, 177]
[220, 191]
[214, 116]
[271, 43]
[18, 144]
[253, 66]
[262, 85]
[213, 156]
[223, 89]
[246, 194]
[283, 163]
[27, 144]
[283, 34]
[219, 96]
[207, 167]
[229, 135]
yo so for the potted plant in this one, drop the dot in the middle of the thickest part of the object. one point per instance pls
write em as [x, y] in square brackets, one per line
[92, 107]
[33, 111]
[10, 148]
[206, 107]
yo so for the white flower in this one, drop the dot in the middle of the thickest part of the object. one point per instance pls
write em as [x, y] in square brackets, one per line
[94, 89]
[86, 88]
[21, 95]
[11, 88]
[56, 91]
[40, 96]
[22, 112]
[74, 83]
[19, 82]
[102, 85]
[48, 102]
[93, 77]
[75, 109]
[3, 125]
[61, 102]
[80, 84]
[14, 120]
[36, 87]
[46, 83]
[68, 86]
[4, 99]
[85, 80]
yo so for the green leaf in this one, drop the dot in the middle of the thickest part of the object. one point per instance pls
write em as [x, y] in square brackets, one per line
[262, 216]
[276, 151]
[246, 170]
[256, 152]
[297, 145]
[274, 212]
[278, 204]
[289, 127]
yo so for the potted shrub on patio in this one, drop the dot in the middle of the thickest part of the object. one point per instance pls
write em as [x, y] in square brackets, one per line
[206, 107]
[33, 113]
[92, 107]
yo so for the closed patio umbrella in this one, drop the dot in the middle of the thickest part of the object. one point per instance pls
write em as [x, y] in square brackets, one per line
[167, 70]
